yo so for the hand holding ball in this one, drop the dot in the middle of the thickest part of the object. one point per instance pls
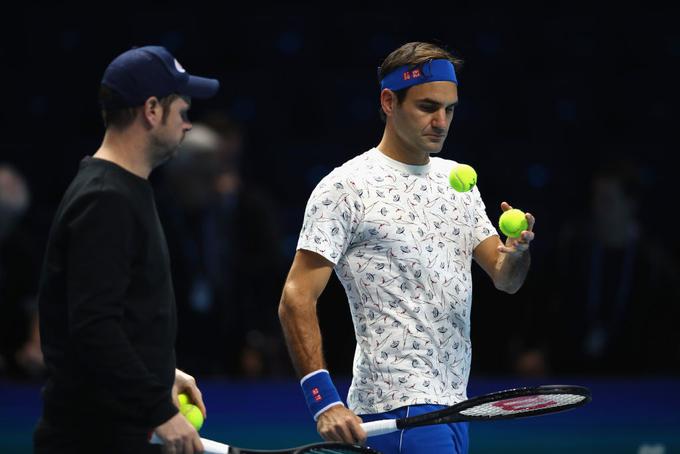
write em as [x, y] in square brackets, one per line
[190, 411]
[462, 178]
[513, 222]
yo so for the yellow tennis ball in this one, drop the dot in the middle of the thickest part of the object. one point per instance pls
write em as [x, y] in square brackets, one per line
[462, 177]
[183, 399]
[513, 222]
[193, 415]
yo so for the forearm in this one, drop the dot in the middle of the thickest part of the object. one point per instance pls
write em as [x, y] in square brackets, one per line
[302, 333]
[103, 349]
[511, 271]
[104, 354]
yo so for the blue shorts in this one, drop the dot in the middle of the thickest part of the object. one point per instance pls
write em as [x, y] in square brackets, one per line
[438, 438]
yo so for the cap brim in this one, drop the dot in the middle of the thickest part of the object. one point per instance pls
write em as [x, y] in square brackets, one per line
[200, 87]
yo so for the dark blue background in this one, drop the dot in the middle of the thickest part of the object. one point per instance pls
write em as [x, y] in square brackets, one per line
[546, 94]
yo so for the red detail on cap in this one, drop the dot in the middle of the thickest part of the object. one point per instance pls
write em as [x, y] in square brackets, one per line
[318, 397]
[416, 73]
[524, 403]
[315, 391]
[407, 75]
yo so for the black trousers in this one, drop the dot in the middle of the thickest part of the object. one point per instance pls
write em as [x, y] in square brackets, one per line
[51, 437]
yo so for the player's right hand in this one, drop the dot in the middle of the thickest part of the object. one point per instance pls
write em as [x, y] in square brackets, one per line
[179, 436]
[339, 423]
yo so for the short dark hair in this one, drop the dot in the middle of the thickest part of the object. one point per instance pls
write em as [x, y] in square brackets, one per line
[122, 117]
[414, 54]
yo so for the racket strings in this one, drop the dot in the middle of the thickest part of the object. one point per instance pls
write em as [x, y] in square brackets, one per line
[524, 404]
[335, 451]
[337, 448]
[316, 448]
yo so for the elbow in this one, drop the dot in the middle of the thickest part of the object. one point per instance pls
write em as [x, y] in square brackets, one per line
[292, 303]
[284, 308]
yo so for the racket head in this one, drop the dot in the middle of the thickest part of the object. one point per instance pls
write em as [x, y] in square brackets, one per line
[327, 447]
[508, 404]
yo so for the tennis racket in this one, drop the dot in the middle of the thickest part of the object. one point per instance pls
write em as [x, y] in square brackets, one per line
[513, 403]
[213, 447]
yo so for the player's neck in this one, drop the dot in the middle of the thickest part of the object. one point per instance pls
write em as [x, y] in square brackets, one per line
[127, 150]
[393, 147]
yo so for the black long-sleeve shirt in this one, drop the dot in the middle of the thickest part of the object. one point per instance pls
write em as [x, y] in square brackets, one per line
[107, 307]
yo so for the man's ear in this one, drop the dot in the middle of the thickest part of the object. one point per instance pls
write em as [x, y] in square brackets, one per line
[152, 112]
[388, 101]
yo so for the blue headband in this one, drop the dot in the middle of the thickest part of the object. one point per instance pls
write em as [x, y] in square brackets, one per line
[407, 76]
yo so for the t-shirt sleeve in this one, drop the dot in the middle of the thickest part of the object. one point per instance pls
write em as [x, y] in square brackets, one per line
[332, 217]
[483, 227]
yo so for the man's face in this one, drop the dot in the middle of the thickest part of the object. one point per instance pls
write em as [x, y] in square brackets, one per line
[168, 135]
[423, 119]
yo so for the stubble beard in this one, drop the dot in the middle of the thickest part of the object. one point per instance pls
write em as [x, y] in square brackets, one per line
[162, 151]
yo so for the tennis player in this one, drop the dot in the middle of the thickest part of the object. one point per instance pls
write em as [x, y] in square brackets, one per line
[106, 301]
[401, 241]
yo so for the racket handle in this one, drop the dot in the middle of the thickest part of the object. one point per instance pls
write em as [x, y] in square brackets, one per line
[383, 426]
[209, 446]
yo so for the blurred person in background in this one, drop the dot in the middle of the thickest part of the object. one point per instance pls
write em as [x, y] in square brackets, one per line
[608, 302]
[20, 353]
[224, 242]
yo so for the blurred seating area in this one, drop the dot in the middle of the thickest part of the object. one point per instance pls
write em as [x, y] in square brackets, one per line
[545, 117]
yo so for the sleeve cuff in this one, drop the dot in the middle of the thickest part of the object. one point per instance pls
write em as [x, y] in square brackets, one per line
[161, 413]
[322, 252]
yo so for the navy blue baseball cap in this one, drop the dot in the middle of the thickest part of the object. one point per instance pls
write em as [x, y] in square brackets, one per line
[142, 72]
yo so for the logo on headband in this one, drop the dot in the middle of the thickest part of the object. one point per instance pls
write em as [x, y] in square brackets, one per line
[412, 74]
[431, 71]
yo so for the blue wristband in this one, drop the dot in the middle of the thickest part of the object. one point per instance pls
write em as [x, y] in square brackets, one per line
[320, 392]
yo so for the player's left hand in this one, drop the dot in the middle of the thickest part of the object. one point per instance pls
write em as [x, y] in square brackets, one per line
[521, 243]
[185, 383]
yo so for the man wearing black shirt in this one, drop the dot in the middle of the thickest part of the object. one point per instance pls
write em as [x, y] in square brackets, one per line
[106, 301]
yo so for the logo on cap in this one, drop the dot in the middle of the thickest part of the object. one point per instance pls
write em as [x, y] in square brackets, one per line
[179, 67]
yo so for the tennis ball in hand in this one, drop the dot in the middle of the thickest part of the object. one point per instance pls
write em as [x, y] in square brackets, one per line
[183, 399]
[462, 177]
[193, 415]
[513, 222]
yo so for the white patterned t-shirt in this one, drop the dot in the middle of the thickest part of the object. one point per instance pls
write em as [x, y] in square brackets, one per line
[401, 240]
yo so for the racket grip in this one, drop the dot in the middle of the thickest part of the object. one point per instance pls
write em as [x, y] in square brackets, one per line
[383, 426]
[209, 446]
